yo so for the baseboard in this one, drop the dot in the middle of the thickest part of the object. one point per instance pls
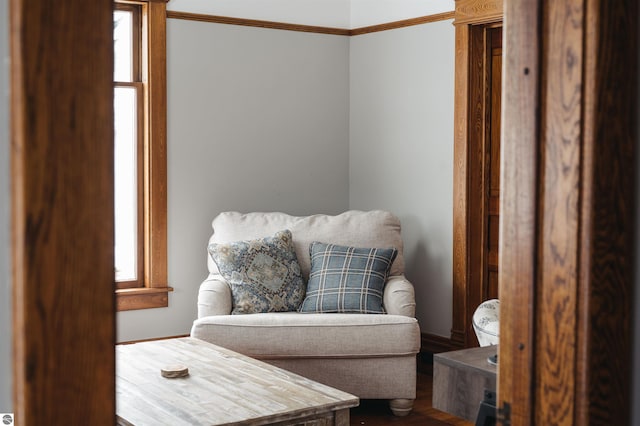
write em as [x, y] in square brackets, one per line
[433, 344]
[458, 339]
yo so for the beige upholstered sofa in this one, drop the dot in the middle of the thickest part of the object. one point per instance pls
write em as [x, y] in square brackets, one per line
[372, 356]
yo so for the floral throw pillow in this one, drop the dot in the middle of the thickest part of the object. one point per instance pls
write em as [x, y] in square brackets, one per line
[264, 274]
[347, 279]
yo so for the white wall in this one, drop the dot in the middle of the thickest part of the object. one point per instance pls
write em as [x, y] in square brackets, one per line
[262, 119]
[326, 13]
[373, 12]
[257, 121]
[401, 151]
[5, 263]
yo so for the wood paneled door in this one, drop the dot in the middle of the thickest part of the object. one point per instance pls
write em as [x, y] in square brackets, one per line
[477, 163]
[484, 162]
[492, 162]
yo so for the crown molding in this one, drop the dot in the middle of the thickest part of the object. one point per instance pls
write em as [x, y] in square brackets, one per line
[309, 28]
[478, 11]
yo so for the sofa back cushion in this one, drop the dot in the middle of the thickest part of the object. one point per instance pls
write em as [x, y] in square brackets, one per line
[355, 228]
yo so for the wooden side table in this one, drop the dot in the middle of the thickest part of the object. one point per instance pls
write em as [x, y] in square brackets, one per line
[460, 379]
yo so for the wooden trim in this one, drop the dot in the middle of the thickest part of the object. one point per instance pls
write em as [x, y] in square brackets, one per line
[478, 11]
[256, 23]
[402, 24]
[153, 190]
[558, 212]
[153, 241]
[517, 256]
[156, 167]
[153, 339]
[433, 344]
[128, 299]
[476, 183]
[140, 190]
[572, 265]
[608, 173]
[460, 177]
[62, 212]
[469, 121]
[309, 28]
[586, 204]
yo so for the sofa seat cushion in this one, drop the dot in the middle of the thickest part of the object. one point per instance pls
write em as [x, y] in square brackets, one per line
[298, 335]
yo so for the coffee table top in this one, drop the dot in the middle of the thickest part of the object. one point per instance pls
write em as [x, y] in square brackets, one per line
[222, 388]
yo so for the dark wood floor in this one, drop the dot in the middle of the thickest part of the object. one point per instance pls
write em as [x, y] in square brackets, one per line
[377, 412]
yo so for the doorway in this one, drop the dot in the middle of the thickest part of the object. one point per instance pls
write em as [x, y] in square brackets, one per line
[484, 164]
[477, 152]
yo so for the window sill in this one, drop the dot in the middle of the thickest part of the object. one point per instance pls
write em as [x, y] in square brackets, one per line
[128, 299]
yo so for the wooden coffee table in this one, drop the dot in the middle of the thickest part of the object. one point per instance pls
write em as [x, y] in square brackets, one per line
[222, 388]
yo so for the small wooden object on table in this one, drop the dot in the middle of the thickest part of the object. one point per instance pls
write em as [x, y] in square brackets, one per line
[460, 379]
[174, 371]
[222, 388]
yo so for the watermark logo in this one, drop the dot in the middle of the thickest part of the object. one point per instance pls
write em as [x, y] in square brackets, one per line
[7, 418]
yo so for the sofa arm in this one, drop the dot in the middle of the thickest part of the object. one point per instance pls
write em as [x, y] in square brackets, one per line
[214, 297]
[399, 297]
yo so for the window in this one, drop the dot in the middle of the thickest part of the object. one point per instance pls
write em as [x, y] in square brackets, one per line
[128, 149]
[140, 154]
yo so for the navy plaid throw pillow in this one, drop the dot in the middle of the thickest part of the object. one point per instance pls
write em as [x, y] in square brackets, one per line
[347, 279]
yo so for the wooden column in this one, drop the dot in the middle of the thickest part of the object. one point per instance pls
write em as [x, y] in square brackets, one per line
[566, 274]
[62, 211]
[519, 154]
[609, 197]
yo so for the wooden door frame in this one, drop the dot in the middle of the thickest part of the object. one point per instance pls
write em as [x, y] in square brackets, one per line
[470, 124]
[62, 211]
[567, 240]
[597, 390]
